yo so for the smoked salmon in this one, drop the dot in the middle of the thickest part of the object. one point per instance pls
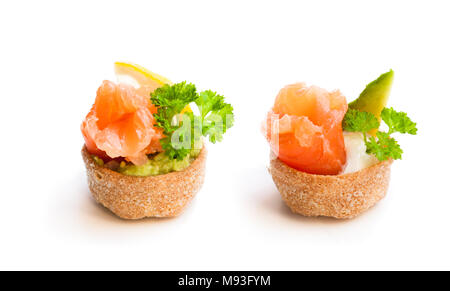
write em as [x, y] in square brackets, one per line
[304, 129]
[121, 124]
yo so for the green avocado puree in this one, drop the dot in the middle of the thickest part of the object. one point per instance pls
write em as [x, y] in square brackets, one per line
[157, 165]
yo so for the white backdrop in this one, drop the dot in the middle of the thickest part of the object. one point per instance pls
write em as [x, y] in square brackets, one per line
[54, 55]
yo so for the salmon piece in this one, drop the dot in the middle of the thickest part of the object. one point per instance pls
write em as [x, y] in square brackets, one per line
[304, 129]
[121, 124]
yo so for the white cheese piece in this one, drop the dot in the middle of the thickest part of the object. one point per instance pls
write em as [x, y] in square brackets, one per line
[357, 158]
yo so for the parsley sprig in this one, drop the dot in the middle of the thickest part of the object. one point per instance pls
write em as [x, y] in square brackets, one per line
[215, 117]
[383, 146]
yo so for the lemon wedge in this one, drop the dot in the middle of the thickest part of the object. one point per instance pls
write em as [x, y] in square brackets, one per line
[186, 109]
[140, 77]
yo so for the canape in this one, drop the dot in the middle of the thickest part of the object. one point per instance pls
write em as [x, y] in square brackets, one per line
[144, 146]
[328, 157]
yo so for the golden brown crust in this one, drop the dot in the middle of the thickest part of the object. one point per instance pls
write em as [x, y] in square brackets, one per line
[339, 196]
[132, 197]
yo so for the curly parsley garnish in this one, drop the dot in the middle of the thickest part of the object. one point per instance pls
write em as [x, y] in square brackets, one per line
[383, 146]
[183, 130]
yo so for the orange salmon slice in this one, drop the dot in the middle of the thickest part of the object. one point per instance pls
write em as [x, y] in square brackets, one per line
[309, 133]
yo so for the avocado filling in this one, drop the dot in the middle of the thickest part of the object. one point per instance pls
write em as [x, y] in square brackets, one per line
[158, 164]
